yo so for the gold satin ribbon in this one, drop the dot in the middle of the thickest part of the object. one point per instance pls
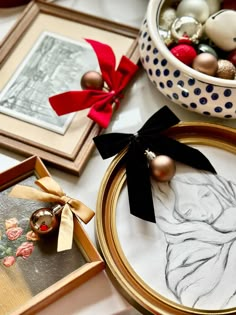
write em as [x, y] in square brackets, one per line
[52, 192]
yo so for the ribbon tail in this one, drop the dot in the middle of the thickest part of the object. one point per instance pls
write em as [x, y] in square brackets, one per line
[180, 152]
[30, 193]
[72, 101]
[66, 230]
[138, 182]
[112, 143]
[82, 211]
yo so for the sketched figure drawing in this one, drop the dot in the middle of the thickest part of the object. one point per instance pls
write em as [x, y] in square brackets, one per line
[197, 214]
[54, 65]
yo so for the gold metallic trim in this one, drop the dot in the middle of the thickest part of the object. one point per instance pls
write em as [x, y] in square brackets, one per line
[130, 284]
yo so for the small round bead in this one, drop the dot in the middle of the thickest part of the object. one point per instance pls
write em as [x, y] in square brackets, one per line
[92, 80]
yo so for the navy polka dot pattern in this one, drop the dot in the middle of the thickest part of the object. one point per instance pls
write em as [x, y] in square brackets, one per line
[188, 92]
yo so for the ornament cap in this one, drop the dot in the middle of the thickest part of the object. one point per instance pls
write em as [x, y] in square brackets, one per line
[150, 155]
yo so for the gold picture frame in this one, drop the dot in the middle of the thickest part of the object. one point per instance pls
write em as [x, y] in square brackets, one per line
[132, 247]
[71, 150]
[25, 296]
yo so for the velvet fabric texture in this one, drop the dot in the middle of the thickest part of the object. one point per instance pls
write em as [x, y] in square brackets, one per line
[150, 137]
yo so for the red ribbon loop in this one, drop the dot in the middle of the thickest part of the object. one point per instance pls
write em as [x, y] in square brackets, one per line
[100, 102]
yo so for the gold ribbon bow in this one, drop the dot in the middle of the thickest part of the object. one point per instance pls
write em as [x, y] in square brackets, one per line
[52, 192]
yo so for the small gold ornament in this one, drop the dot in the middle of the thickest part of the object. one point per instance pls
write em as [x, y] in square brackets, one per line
[92, 80]
[226, 70]
[206, 63]
[45, 220]
[162, 166]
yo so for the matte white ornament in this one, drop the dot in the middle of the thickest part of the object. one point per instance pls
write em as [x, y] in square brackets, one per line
[221, 29]
[195, 8]
[167, 17]
[214, 6]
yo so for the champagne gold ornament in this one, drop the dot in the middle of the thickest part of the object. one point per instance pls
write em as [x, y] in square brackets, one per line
[206, 63]
[45, 220]
[162, 166]
[226, 70]
[92, 80]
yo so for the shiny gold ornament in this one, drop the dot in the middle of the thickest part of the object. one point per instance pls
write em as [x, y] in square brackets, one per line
[162, 166]
[92, 80]
[226, 70]
[45, 220]
[206, 63]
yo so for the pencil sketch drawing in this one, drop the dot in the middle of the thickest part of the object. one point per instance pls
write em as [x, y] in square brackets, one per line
[54, 65]
[196, 212]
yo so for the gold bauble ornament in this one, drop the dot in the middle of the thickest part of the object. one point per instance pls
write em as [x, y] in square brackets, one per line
[44, 220]
[206, 63]
[226, 70]
[92, 80]
[162, 166]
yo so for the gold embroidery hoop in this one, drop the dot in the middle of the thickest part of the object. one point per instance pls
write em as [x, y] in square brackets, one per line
[131, 285]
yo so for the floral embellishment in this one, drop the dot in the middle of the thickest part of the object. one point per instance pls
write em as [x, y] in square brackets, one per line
[25, 250]
[14, 233]
[9, 261]
[11, 223]
[16, 242]
[31, 236]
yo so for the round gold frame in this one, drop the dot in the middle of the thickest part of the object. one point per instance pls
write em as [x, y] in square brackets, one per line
[147, 300]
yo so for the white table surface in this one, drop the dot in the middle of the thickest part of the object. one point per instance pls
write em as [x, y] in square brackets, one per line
[98, 295]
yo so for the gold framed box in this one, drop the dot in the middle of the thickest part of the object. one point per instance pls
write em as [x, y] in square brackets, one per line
[175, 267]
[71, 149]
[32, 284]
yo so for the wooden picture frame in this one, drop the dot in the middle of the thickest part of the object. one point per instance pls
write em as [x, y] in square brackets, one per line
[71, 150]
[150, 270]
[28, 299]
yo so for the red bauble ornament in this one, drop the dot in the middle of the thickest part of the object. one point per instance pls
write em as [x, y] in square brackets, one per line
[229, 4]
[184, 53]
[232, 57]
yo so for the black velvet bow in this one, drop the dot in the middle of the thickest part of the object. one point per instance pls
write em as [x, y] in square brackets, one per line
[150, 137]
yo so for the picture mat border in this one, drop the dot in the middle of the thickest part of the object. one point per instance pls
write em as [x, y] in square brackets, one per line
[17, 73]
[94, 265]
[76, 161]
[134, 289]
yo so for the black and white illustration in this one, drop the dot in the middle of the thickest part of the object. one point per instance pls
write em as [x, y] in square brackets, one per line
[189, 255]
[54, 65]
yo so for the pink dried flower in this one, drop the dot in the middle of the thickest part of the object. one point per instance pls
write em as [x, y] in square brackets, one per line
[25, 250]
[11, 223]
[9, 261]
[13, 233]
[31, 236]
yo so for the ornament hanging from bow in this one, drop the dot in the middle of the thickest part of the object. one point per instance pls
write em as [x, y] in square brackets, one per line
[149, 137]
[52, 192]
[101, 101]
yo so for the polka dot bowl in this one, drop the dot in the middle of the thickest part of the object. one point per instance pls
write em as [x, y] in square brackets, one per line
[185, 86]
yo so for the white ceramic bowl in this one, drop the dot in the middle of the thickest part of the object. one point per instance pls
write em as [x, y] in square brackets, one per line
[185, 86]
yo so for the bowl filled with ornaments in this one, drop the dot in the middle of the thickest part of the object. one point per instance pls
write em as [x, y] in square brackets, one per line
[188, 49]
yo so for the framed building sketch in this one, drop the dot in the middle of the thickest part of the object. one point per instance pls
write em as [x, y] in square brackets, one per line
[183, 263]
[45, 54]
[32, 272]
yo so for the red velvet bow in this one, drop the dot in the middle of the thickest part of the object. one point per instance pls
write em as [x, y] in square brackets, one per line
[99, 101]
